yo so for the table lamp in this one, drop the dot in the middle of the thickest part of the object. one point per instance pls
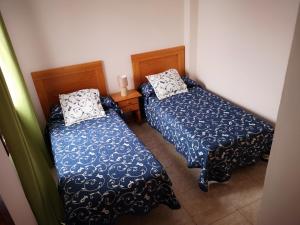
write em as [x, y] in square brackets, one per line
[123, 82]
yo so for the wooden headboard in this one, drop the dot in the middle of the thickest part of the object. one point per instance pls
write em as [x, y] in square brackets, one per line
[153, 62]
[52, 82]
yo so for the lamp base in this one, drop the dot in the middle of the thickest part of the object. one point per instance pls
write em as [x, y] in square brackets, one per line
[124, 91]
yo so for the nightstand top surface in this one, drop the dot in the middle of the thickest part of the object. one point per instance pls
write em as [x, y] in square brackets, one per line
[131, 94]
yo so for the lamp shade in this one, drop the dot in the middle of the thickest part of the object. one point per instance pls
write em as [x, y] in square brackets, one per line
[123, 82]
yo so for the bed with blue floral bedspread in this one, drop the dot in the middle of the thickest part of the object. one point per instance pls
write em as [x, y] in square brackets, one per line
[210, 132]
[104, 171]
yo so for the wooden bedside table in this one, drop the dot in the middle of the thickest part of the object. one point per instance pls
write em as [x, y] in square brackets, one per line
[129, 103]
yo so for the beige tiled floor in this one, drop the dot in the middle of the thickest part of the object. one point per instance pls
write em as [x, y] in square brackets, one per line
[234, 203]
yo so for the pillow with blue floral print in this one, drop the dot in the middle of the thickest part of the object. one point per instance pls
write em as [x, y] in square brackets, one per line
[81, 105]
[167, 83]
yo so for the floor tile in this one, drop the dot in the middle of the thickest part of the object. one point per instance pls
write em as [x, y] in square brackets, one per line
[251, 211]
[234, 202]
[233, 219]
[159, 216]
[240, 190]
[221, 199]
[256, 172]
[163, 215]
[203, 207]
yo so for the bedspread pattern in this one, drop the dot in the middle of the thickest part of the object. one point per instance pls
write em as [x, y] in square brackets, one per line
[210, 132]
[104, 171]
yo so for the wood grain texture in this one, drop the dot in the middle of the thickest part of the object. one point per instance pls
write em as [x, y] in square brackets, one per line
[131, 101]
[153, 62]
[131, 94]
[52, 82]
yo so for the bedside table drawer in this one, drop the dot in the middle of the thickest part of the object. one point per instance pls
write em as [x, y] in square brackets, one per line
[128, 102]
[130, 108]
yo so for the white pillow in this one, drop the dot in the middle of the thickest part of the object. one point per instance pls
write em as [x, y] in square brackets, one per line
[167, 83]
[81, 105]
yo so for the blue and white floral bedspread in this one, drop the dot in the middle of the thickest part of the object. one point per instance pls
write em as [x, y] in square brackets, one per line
[104, 171]
[210, 132]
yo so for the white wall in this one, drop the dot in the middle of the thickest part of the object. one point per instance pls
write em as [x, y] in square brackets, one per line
[243, 48]
[190, 36]
[281, 199]
[56, 33]
[12, 193]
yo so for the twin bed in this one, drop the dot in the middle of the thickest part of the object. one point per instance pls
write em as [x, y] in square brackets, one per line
[209, 131]
[104, 171]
